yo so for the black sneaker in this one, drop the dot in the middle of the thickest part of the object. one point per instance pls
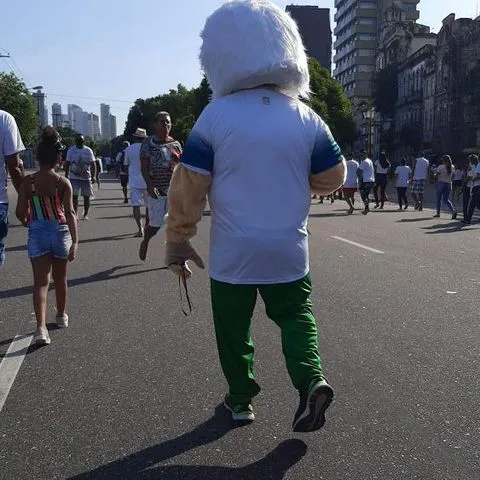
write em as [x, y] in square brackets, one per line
[310, 415]
[241, 412]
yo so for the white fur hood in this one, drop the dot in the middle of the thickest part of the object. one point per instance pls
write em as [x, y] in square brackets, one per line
[248, 43]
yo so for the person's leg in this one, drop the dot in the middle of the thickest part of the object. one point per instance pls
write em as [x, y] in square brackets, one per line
[383, 187]
[375, 191]
[86, 206]
[289, 306]
[399, 197]
[347, 195]
[137, 215]
[75, 203]
[3, 230]
[59, 274]
[405, 199]
[157, 211]
[415, 199]
[466, 201]
[232, 307]
[447, 190]
[41, 267]
[439, 192]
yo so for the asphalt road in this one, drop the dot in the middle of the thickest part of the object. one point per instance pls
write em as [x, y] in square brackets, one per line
[132, 390]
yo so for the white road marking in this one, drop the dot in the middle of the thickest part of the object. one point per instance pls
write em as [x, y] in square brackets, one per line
[359, 245]
[11, 363]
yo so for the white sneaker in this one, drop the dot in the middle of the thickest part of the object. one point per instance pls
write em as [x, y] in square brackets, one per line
[62, 320]
[41, 336]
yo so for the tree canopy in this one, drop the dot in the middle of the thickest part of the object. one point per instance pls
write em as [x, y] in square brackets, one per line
[16, 100]
[330, 102]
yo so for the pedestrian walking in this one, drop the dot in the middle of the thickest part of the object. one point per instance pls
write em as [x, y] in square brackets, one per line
[468, 185]
[159, 154]
[403, 174]
[420, 175]
[382, 167]
[45, 206]
[80, 169]
[122, 171]
[350, 186]
[258, 152]
[367, 180]
[136, 182]
[475, 194]
[444, 176]
[10, 147]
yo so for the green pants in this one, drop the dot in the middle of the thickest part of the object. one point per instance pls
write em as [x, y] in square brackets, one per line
[289, 306]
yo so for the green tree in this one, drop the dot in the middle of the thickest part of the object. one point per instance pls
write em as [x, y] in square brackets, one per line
[16, 100]
[330, 102]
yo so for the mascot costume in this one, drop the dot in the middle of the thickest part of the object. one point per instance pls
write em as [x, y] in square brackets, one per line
[257, 153]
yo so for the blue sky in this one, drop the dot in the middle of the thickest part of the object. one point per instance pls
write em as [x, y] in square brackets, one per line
[116, 51]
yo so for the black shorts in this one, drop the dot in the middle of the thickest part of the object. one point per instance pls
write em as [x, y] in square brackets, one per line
[123, 180]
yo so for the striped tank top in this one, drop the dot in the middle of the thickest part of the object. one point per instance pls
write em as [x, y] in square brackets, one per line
[46, 207]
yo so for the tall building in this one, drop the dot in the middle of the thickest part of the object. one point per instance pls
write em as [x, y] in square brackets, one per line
[57, 117]
[71, 108]
[80, 121]
[93, 126]
[105, 122]
[42, 112]
[358, 23]
[113, 126]
[314, 25]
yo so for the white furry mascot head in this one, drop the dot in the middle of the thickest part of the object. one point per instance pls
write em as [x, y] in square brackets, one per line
[249, 43]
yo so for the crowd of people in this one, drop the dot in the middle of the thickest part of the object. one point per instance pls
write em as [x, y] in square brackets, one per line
[451, 182]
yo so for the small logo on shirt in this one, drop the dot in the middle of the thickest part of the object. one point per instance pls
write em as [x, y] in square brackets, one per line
[266, 100]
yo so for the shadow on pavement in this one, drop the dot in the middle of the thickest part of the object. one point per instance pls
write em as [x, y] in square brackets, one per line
[327, 215]
[142, 465]
[106, 239]
[414, 220]
[451, 227]
[96, 277]
[117, 217]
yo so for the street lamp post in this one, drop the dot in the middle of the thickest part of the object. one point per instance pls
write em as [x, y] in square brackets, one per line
[370, 115]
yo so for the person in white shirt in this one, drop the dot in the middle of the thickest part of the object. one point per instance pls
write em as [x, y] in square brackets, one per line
[80, 169]
[136, 182]
[382, 166]
[351, 183]
[10, 146]
[420, 175]
[402, 174]
[367, 180]
[475, 193]
[444, 176]
[468, 184]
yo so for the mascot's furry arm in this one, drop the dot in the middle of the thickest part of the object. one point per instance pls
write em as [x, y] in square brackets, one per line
[187, 198]
[327, 182]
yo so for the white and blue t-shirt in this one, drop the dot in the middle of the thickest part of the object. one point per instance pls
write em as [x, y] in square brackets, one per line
[260, 147]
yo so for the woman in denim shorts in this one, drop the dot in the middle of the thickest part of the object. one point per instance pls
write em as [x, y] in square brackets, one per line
[45, 206]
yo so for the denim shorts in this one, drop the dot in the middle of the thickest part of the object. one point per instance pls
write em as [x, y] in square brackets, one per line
[3, 230]
[48, 237]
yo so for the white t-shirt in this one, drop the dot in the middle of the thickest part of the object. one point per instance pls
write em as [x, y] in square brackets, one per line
[476, 182]
[421, 169]
[260, 147]
[352, 179]
[368, 172]
[403, 173]
[443, 175]
[380, 169]
[132, 161]
[10, 143]
[470, 175]
[80, 160]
